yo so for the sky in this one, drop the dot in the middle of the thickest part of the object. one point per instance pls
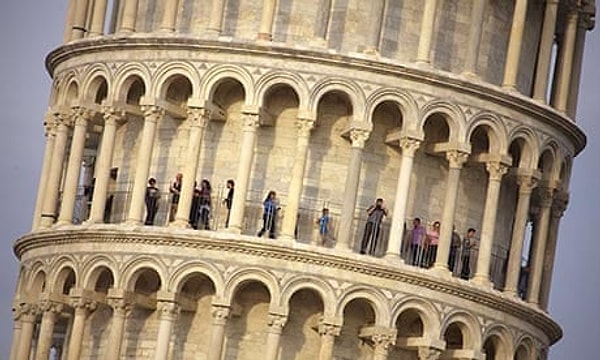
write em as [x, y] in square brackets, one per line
[29, 29]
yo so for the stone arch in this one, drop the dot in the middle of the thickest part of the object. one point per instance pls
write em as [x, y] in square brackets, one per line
[21, 280]
[320, 286]
[102, 278]
[215, 75]
[529, 149]
[407, 106]
[132, 269]
[372, 296]
[427, 312]
[523, 348]
[241, 276]
[54, 92]
[90, 271]
[64, 278]
[549, 161]
[90, 81]
[349, 88]
[565, 172]
[125, 77]
[38, 282]
[500, 337]
[469, 327]
[182, 273]
[274, 78]
[69, 93]
[168, 72]
[497, 134]
[453, 115]
[57, 275]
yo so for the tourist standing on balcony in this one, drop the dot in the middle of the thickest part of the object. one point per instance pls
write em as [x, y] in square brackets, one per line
[175, 190]
[194, 208]
[204, 205]
[469, 243]
[432, 240]
[270, 207]
[228, 201]
[323, 223]
[454, 249]
[417, 239]
[152, 196]
[375, 213]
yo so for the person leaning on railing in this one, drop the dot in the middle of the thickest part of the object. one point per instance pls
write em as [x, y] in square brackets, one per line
[375, 213]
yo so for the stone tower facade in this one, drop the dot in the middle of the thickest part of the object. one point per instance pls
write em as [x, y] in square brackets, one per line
[460, 113]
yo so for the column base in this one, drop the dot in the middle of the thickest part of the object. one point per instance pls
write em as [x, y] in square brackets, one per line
[232, 229]
[130, 222]
[63, 223]
[442, 270]
[482, 281]
[511, 293]
[179, 224]
[393, 257]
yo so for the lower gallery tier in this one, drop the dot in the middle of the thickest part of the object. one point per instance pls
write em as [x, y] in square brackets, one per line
[148, 292]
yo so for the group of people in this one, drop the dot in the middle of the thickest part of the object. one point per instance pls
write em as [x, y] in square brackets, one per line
[200, 210]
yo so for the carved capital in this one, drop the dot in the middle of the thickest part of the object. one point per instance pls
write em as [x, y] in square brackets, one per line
[167, 309]
[496, 170]
[429, 353]
[220, 314]
[153, 113]
[409, 146]
[304, 127]
[276, 322]
[24, 309]
[198, 117]
[80, 116]
[559, 203]
[383, 341]
[112, 114]
[50, 123]
[545, 196]
[49, 306]
[120, 306]
[83, 305]
[456, 158]
[359, 137]
[251, 121]
[326, 329]
[526, 183]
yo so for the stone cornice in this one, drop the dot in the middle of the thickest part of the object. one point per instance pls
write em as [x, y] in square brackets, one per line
[360, 62]
[219, 241]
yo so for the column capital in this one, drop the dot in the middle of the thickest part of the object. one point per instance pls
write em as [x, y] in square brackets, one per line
[526, 183]
[409, 145]
[304, 126]
[456, 158]
[545, 196]
[120, 305]
[112, 114]
[329, 329]
[83, 304]
[198, 116]
[559, 203]
[50, 306]
[167, 309]
[251, 121]
[153, 113]
[383, 340]
[50, 123]
[80, 115]
[220, 314]
[22, 310]
[276, 322]
[359, 137]
[496, 170]
[429, 353]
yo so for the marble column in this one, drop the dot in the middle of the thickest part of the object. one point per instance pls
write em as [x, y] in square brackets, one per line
[121, 309]
[559, 205]
[297, 179]
[251, 124]
[375, 25]
[265, 31]
[576, 71]
[69, 21]
[98, 17]
[167, 313]
[426, 34]
[17, 326]
[328, 333]
[169, 16]
[50, 132]
[220, 315]
[429, 353]
[539, 245]
[28, 317]
[79, 19]
[456, 160]
[215, 23]
[495, 170]
[409, 147]
[515, 44]
[381, 345]
[358, 138]
[152, 115]
[564, 63]
[67, 207]
[82, 309]
[474, 42]
[540, 86]
[275, 323]
[129, 16]
[56, 168]
[198, 119]
[112, 116]
[526, 185]
[49, 311]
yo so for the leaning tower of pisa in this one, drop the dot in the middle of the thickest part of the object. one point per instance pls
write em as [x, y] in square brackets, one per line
[458, 113]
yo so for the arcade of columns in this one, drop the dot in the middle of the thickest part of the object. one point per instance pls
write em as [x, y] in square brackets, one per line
[61, 121]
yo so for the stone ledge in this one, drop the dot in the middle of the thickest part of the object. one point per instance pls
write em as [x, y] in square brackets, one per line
[299, 253]
[434, 77]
